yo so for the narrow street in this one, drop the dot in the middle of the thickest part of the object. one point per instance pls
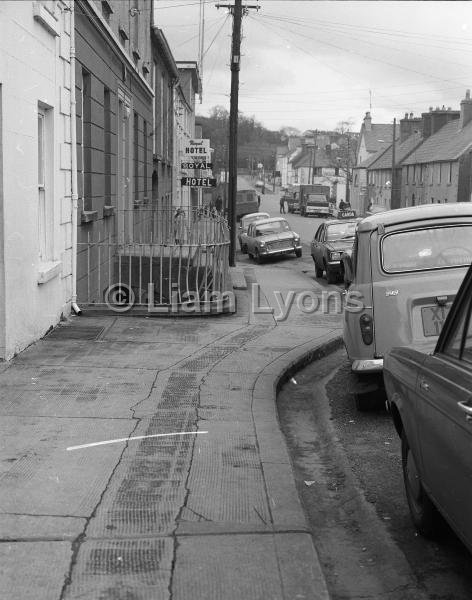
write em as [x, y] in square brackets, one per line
[348, 472]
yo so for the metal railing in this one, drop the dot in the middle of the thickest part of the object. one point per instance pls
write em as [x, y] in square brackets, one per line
[153, 258]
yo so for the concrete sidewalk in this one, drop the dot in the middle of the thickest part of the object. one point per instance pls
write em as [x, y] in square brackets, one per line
[213, 514]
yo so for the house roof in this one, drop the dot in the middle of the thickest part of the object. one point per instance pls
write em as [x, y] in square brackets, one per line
[384, 161]
[378, 132]
[306, 160]
[447, 144]
[371, 159]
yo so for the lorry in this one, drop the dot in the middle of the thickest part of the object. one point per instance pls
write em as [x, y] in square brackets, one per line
[314, 200]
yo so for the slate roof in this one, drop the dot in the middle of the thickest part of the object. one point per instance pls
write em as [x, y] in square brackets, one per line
[371, 159]
[401, 151]
[378, 132]
[447, 144]
[306, 160]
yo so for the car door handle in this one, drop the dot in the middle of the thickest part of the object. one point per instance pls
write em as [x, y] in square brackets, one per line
[424, 385]
[466, 407]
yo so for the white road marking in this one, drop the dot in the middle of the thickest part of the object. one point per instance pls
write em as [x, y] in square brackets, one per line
[137, 437]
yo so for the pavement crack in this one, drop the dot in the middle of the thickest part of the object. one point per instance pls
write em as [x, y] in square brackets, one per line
[259, 515]
[78, 541]
[199, 515]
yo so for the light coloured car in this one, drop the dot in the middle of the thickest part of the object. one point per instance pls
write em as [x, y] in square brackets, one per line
[243, 227]
[272, 237]
[406, 267]
[430, 400]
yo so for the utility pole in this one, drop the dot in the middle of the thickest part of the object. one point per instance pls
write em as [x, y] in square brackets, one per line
[392, 188]
[348, 189]
[313, 161]
[237, 10]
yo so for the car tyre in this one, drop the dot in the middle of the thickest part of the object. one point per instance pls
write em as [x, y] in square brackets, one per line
[424, 514]
[244, 249]
[318, 270]
[298, 253]
[257, 256]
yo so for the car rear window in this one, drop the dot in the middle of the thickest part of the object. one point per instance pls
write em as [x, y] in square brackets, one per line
[428, 248]
[341, 231]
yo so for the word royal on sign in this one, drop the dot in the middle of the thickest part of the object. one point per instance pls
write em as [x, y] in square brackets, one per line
[198, 181]
[196, 165]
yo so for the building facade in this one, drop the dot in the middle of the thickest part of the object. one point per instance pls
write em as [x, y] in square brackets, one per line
[114, 99]
[35, 171]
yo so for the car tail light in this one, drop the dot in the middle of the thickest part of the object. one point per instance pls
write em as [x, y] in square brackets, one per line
[367, 329]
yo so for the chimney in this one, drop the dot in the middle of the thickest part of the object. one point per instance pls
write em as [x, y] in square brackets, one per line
[368, 122]
[466, 110]
[435, 119]
[408, 126]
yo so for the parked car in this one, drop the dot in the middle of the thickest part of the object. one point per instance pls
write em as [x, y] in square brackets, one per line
[430, 400]
[406, 267]
[331, 240]
[271, 237]
[243, 227]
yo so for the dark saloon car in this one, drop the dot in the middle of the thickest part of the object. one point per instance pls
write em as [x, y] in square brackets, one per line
[430, 399]
[331, 240]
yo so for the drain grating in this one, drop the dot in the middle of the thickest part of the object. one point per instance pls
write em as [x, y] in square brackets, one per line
[75, 332]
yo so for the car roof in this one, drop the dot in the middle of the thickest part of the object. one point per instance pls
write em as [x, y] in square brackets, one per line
[271, 220]
[415, 213]
[348, 220]
[254, 214]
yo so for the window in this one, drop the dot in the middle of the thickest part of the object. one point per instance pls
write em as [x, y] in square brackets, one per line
[45, 192]
[439, 172]
[449, 173]
[425, 249]
[107, 145]
[145, 159]
[136, 156]
[86, 148]
[459, 343]
[107, 10]
[431, 172]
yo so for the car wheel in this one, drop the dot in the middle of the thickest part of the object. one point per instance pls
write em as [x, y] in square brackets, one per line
[424, 514]
[318, 270]
[298, 253]
[244, 249]
[330, 276]
[257, 256]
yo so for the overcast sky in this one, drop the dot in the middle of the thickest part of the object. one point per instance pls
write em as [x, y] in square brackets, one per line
[310, 64]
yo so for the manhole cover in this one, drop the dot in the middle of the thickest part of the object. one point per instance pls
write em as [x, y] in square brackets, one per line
[75, 332]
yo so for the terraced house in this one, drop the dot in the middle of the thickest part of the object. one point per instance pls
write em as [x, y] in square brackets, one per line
[439, 169]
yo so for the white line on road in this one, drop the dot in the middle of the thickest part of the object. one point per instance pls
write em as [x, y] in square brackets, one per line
[137, 437]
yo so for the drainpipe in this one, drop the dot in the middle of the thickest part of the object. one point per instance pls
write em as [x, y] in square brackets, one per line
[73, 141]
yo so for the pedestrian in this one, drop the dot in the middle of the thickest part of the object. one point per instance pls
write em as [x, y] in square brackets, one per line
[179, 226]
[342, 205]
[258, 201]
[282, 205]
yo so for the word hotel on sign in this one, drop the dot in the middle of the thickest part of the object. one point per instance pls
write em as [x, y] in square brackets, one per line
[193, 150]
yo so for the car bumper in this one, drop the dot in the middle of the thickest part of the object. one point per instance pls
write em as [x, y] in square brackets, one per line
[267, 252]
[367, 365]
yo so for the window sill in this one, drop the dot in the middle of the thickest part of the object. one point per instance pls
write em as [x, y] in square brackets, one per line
[88, 216]
[48, 270]
[46, 19]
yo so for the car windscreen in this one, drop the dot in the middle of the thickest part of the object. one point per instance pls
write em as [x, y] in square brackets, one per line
[274, 227]
[429, 248]
[247, 220]
[317, 201]
[341, 231]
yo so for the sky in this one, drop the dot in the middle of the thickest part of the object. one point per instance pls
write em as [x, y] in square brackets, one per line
[311, 64]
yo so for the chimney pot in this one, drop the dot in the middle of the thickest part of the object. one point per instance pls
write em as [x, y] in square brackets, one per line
[411, 115]
[430, 109]
[437, 107]
[467, 95]
[406, 115]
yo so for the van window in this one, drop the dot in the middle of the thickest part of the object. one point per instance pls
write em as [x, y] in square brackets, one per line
[424, 249]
